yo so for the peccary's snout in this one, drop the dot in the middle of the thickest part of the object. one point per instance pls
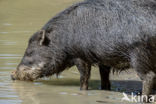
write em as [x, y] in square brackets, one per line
[18, 74]
[26, 73]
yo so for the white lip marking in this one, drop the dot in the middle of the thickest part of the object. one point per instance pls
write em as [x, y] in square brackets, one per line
[41, 64]
[33, 68]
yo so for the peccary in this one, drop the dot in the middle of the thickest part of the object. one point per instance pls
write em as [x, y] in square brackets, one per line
[115, 33]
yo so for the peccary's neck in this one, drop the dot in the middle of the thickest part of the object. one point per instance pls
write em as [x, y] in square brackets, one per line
[57, 62]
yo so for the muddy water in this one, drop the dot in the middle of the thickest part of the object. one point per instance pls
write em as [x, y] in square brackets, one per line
[19, 19]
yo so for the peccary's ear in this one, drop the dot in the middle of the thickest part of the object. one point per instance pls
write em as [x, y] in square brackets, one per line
[43, 38]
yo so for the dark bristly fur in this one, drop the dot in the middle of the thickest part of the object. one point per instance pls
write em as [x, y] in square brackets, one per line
[115, 33]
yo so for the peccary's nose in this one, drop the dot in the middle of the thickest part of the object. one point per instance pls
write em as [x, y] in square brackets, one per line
[12, 75]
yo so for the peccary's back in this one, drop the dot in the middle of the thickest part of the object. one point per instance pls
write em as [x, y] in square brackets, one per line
[104, 28]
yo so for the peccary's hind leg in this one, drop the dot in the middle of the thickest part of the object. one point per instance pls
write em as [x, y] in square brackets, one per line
[141, 62]
[84, 70]
[148, 85]
[104, 74]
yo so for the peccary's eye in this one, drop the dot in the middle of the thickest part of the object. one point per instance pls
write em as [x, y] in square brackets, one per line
[29, 62]
[29, 53]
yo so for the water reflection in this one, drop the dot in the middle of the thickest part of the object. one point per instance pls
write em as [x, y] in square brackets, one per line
[43, 93]
[8, 95]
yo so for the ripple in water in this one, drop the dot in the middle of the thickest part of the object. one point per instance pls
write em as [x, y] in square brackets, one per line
[7, 24]
[6, 32]
[10, 56]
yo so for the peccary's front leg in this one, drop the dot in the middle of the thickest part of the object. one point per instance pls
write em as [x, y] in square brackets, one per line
[84, 70]
[104, 74]
[142, 63]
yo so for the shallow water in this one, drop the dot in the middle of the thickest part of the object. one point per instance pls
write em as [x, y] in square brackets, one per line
[19, 19]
